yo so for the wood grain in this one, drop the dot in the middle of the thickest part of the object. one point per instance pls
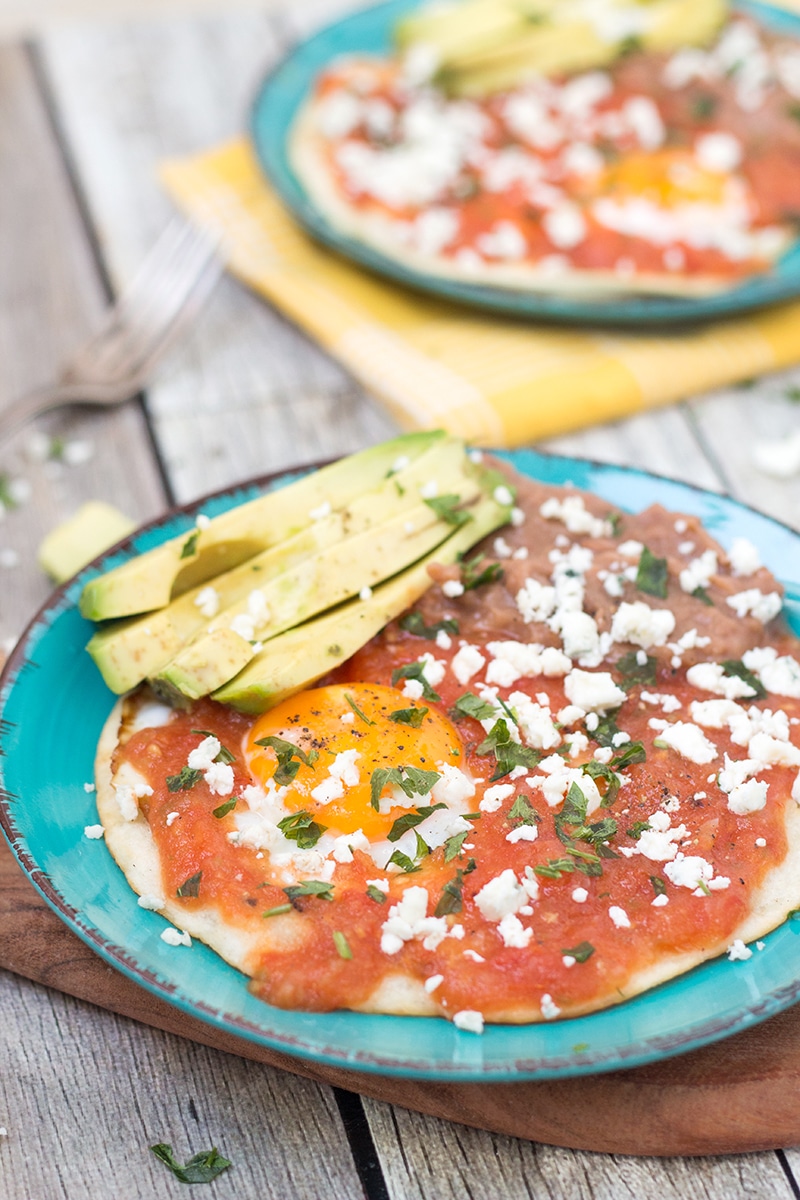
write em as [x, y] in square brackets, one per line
[739, 1095]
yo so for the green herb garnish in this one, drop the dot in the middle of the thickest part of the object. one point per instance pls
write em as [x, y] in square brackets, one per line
[184, 780]
[635, 673]
[508, 753]
[342, 945]
[606, 729]
[452, 847]
[415, 670]
[638, 828]
[225, 808]
[555, 868]
[597, 770]
[735, 666]
[703, 106]
[701, 594]
[189, 547]
[414, 622]
[449, 509]
[410, 820]
[651, 576]
[580, 952]
[522, 812]
[301, 827]
[278, 910]
[634, 752]
[404, 862]
[470, 705]
[411, 780]
[659, 887]
[376, 894]
[409, 716]
[451, 899]
[224, 755]
[190, 888]
[362, 716]
[472, 577]
[286, 753]
[310, 887]
[200, 1168]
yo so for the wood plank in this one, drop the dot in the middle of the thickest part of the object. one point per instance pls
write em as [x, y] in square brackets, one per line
[50, 299]
[246, 393]
[84, 1094]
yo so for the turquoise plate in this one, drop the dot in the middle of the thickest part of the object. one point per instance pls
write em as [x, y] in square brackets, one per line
[370, 32]
[54, 703]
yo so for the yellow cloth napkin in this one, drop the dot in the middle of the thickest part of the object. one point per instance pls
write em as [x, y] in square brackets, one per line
[434, 364]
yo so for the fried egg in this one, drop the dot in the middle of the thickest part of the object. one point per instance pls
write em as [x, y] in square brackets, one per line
[345, 733]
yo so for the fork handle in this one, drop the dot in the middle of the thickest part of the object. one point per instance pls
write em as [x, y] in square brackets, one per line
[45, 399]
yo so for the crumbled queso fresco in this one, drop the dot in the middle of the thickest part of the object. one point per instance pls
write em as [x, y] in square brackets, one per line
[625, 704]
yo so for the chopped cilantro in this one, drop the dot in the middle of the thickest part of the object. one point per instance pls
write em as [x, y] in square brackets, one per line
[659, 887]
[703, 887]
[703, 106]
[415, 670]
[452, 847]
[286, 753]
[404, 862]
[522, 812]
[310, 887]
[278, 910]
[634, 752]
[189, 547]
[571, 828]
[376, 894]
[409, 716]
[651, 576]
[225, 808]
[615, 521]
[581, 952]
[555, 868]
[606, 729]
[597, 770]
[472, 577]
[508, 753]
[190, 888]
[638, 828]
[301, 827]
[224, 755]
[414, 622]
[701, 594]
[451, 899]
[184, 780]
[629, 45]
[449, 509]
[470, 705]
[342, 945]
[200, 1168]
[410, 820]
[422, 848]
[634, 673]
[735, 666]
[412, 780]
[362, 716]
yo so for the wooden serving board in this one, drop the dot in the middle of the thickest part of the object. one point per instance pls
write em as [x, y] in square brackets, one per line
[739, 1095]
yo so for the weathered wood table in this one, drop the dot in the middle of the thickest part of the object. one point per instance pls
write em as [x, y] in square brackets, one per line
[85, 114]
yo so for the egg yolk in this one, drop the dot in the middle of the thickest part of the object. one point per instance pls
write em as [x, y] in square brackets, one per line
[328, 721]
[668, 177]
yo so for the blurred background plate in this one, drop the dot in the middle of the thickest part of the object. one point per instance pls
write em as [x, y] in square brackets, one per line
[370, 32]
[53, 705]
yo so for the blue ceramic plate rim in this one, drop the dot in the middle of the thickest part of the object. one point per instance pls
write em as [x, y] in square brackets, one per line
[714, 1000]
[283, 91]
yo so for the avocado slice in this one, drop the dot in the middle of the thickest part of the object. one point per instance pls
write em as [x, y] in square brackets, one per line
[318, 583]
[150, 580]
[129, 650]
[302, 655]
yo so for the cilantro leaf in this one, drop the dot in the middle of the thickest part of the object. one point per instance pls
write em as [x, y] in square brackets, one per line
[411, 780]
[597, 770]
[224, 809]
[735, 666]
[301, 827]
[452, 847]
[451, 899]
[473, 578]
[362, 716]
[376, 894]
[286, 753]
[700, 593]
[606, 729]
[522, 812]
[659, 887]
[450, 509]
[277, 910]
[414, 622]
[189, 547]
[635, 673]
[310, 887]
[190, 888]
[409, 716]
[470, 705]
[634, 752]
[555, 868]
[200, 1168]
[704, 105]
[410, 820]
[638, 828]
[224, 755]
[342, 945]
[581, 952]
[185, 780]
[508, 753]
[651, 576]
[415, 670]
[404, 862]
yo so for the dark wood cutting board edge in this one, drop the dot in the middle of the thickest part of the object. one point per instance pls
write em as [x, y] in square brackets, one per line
[739, 1095]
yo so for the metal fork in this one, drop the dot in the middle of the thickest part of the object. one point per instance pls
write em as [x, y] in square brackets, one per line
[162, 299]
